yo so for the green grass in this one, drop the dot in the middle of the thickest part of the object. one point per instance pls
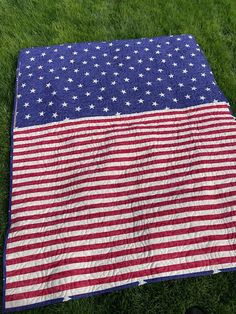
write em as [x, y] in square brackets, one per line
[26, 23]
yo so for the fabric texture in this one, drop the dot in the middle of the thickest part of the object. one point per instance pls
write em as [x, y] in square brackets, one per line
[122, 170]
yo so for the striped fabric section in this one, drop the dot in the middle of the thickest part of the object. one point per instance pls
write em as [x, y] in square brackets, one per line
[102, 202]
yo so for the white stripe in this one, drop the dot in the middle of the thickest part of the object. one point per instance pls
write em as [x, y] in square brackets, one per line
[100, 196]
[149, 253]
[129, 144]
[115, 207]
[119, 271]
[28, 189]
[138, 161]
[101, 287]
[79, 138]
[69, 234]
[73, 187]
[83, 122]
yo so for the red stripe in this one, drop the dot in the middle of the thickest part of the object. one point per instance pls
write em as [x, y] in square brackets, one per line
[122, 184]
[124, 210]
[158, 114]
[116, 194]
[69, 138]
[114, 152]
[156, 224]
[98, 169]
[183, 231]
[66, 250]
[121, 277]
[95, 149]
[123, 264]
[101, 215]
[177, 124]
[121, 202]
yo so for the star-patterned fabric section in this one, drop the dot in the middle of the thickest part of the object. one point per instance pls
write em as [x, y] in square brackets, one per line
[70, 81]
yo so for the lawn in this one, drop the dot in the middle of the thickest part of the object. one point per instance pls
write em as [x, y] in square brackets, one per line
[27, 23]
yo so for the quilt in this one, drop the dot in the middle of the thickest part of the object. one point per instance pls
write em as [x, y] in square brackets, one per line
[123, 170]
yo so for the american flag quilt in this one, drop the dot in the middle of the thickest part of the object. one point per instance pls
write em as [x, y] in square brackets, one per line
[123, 170]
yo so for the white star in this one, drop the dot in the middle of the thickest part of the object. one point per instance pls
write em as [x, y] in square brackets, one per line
[159, 79]
[113, 83]
[86, 49]
[202, 97]
[64, 68]
[187, 96]
[160, 70]
[70, 80]
[48, 85]
[191, 64]
[50, 61]
[98, 47]
[181, 84]
[96, 65]
[114, 98]
[141, 101]
[148, 92]
[116, 73]
[127, 57]
[169, 88]
[163, 61]
[193, 88]
[120, 64]
[86, 73]
[27, 116]
[84, 62]
[117, 114]
[23, 85]
[140, 61]
[193, 54]
[77, 108]
[162, 94]
[175, 100]
[39, 100]
[149, 83]
[26, 104]
[203, 74]
[148, 69]
[102, 89]
[55, 115]
[100, 98]
[66, 89]
[95, 81]
[131, 68]
[41, 114]
[171, 76]
[207, 89]
[76, 70]
[50, 103]
[40, 67]
[185, 71]
[61, 57]
[203, 65]
[177, 49]
[64, 104]
[154, 104]
[54, 93]
[175, 64]
[135, 88]
[32, 59]
[30, 74]
[151, 59]
[87, 94]
[140, 75]
[123, 91]
[80, 85]
[126, 79]
[19, 96]
[127, 103]
[72, 61]
[91, 106]
[193, 79]
[27, 52]
[157, 52]
[182, 57]
[41, 77]
[105, 109]
[33, 90]
[103, 73]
